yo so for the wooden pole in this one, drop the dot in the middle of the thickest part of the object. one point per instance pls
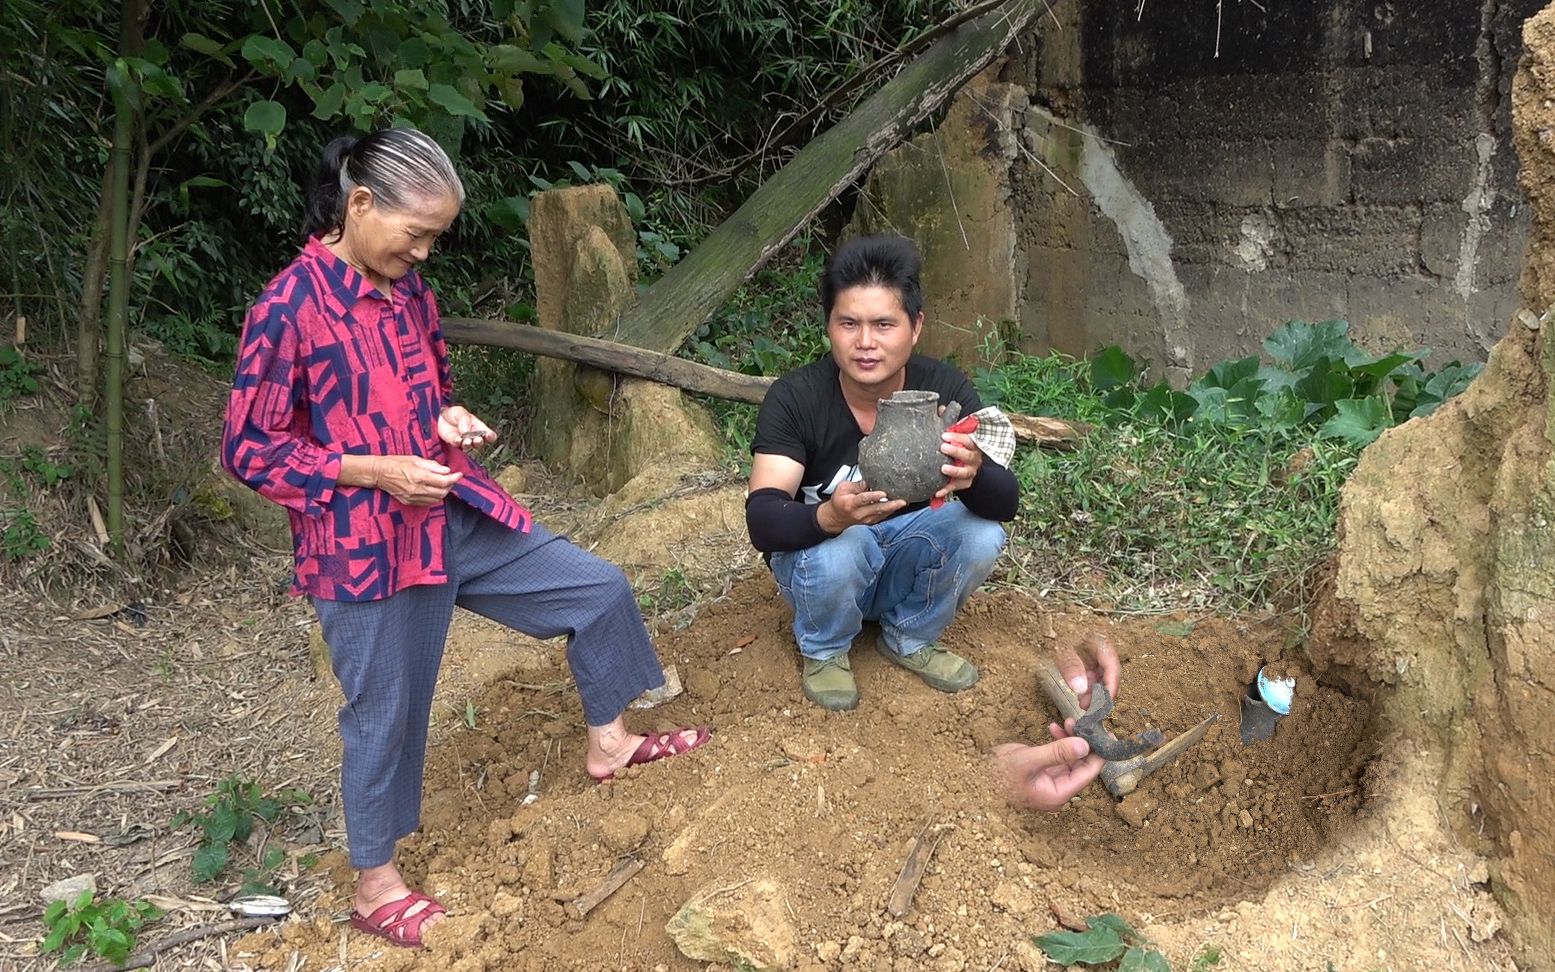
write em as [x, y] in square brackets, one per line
[1041, 430]
[699, 284]
[663, 368]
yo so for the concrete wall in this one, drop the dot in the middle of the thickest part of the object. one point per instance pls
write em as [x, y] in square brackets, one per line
[1336, 159]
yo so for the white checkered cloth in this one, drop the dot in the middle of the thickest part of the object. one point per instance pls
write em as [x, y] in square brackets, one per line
[995, 435]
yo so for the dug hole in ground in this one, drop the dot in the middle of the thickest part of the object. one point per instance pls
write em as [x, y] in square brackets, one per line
[1400, 818]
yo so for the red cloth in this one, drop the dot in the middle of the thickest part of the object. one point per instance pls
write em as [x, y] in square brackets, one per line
[967, 426]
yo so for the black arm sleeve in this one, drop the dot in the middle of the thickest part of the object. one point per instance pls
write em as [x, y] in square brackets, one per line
[994, 493]
[777, 521]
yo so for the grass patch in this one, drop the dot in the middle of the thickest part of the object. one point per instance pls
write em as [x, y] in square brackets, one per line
[1225, 494]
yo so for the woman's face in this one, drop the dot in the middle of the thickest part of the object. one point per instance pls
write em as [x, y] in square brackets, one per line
[388, 242]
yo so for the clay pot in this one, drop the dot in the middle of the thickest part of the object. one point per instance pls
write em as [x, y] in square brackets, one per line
[901, 456]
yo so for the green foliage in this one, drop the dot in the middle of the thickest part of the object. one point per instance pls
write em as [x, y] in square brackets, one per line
[105, 928]
[1108, 939]
[1318, 378]
[18, 376]
[32, 464]
[1207, 958]
[1226, 491]
[770, 326]
[230, 815]
[21, 538]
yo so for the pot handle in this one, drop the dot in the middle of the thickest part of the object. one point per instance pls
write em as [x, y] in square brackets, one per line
[952, 412]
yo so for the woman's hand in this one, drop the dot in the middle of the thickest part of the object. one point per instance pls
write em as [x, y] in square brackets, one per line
[461, 430]
[413, 480]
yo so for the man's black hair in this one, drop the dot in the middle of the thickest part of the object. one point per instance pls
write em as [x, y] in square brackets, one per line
[875, 261]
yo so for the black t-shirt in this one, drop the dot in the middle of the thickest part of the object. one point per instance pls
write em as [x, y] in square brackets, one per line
[805, 418]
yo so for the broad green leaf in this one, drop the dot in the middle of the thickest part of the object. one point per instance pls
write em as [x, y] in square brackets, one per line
[267, 52]
[508, 59]
[316, 53]
[1359, 420]
[327, 104]
[584, 66]
[1297, 344]
[566, 17]
[349, 10]
[413, 78]
[1227, 374]
[1175, 629]
[581, 171]
[1115, 921]
[1323, 385]
[207, 46]
[265, 117]
[301, 69]
[203, 182]
[52, 913]
[1164, 403]
[208, 862]
[375, 92]
[509, 212]
[56, 937]
[1110, 367]
[511, 90]
[1275, 379]
[1094, 947]
[83, 899]
[1282, 412]
[456, 104]
[73, 954]
[1383, 365]
[634, 206]
[413, 52]
[1143, 960]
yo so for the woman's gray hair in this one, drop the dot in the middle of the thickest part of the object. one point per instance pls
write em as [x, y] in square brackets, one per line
[396, 164]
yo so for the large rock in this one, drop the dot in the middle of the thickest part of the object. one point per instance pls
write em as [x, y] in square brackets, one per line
[602, 427]
[950, 191]
[744, 925]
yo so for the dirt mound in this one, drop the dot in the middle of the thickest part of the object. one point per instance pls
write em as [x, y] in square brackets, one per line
[823, 806]
[1445, 584]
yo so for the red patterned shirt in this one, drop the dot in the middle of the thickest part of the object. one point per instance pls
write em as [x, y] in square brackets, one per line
[329, 366]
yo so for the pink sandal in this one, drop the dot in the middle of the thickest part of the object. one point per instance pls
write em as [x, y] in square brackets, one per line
[394, 926]
[661, 745]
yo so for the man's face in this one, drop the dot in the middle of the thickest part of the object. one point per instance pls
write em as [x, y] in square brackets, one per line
[871, 334]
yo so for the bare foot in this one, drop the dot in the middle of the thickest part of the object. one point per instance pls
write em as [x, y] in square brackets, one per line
[377, 886]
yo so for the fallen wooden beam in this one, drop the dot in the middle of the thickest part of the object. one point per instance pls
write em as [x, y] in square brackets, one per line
[699, 284]
[1039, 430]
[611, 356]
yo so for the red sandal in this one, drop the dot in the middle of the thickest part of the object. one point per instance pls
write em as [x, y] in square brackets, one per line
[661, 745]
[391, 923]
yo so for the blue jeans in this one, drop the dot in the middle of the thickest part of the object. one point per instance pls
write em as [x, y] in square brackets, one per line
[911, 573]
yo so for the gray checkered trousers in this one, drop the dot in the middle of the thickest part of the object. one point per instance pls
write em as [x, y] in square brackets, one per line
[386, 655]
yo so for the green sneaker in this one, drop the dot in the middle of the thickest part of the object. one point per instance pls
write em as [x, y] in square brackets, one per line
[941, 669]
[829, 684]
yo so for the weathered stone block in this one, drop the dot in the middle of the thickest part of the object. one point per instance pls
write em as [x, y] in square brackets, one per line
[949, 190]
[746, 925]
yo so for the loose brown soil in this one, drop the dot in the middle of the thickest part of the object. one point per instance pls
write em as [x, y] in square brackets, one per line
[826, 804]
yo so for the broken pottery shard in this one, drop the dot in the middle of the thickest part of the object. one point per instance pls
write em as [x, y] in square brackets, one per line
[662, 694]
[901, 456]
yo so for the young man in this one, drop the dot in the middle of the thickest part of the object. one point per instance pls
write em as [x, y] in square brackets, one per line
[842, 553]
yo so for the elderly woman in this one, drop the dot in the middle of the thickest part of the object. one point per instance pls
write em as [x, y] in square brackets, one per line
[342, 412]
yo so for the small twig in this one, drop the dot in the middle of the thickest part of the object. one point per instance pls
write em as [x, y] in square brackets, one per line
[1336, 793]
[580, 906]
[913, 868]
[148, 958]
